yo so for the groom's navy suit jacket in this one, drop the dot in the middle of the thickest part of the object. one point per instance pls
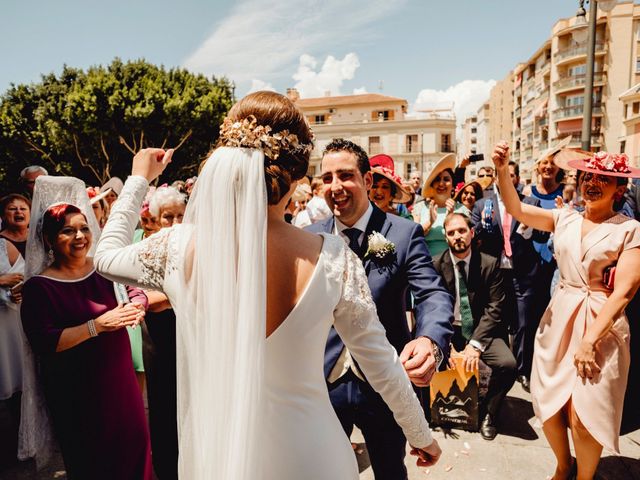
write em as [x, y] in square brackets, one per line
[411, 268]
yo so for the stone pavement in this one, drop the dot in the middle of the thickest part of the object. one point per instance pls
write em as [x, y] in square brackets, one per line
[519, 452]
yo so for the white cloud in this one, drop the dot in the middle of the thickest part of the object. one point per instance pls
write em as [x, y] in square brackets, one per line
[466, 98]
[263, 39]
[257, 85]
[330, 77]
[360, 91]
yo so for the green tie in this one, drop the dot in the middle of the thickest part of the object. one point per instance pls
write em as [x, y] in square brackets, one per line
[466, 318]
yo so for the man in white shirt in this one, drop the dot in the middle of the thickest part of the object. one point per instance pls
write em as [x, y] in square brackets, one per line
[476, 281]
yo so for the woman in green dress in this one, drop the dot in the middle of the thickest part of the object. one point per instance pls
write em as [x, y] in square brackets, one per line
[438, 202]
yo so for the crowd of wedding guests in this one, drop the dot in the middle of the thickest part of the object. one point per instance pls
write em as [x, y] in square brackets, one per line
[499, 292]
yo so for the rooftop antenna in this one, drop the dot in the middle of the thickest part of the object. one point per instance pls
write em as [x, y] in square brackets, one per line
[380, 85]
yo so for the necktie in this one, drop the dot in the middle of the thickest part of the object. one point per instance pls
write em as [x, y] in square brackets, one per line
[466, 318]
[506, 233]
[354, 239]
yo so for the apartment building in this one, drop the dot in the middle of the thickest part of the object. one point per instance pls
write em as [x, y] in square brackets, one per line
[548, 89]
[631, 119]
[469, 136]
[501, 112]
[379, 124]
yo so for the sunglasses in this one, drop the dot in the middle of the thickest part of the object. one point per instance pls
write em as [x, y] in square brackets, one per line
[484, 175]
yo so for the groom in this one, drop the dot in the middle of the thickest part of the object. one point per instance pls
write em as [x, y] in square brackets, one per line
[347, 178]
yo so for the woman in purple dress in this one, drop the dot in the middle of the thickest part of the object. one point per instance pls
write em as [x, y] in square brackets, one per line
[76, 327]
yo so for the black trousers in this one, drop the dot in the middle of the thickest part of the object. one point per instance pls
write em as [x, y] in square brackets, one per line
[159, 355]
[499, 358]
[356, 403]
[523, 312]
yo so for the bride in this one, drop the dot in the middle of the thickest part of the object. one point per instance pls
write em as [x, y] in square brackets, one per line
[255, 299]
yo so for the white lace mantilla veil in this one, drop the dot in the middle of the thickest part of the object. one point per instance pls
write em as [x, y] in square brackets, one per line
[221, 324]
[35, 439]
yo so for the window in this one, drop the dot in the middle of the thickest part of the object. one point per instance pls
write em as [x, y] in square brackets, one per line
[382, 115]
[411, 144]
[579, 70]
[638, 65]
[445, 143]
[374, 145]
[317, 119]
[474, 130]
[636, 108]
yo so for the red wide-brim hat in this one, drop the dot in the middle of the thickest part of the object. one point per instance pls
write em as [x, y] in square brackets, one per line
[609, 164]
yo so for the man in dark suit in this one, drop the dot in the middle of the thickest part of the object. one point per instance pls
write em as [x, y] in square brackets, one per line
[520, 264]
[347, 178]
[479, 332]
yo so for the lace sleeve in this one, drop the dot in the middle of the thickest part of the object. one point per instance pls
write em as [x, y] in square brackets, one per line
[144, 264]
[356, 321]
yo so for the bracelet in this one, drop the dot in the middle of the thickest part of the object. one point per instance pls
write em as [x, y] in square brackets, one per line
[92, 328]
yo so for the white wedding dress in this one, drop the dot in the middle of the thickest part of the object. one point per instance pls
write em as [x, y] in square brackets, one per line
[301, 435]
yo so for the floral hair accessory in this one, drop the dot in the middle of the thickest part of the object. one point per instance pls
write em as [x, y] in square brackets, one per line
[459, 186]
[248, 134]
[609, 162]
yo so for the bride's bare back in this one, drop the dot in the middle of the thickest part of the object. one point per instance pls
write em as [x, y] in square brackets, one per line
[292, 255]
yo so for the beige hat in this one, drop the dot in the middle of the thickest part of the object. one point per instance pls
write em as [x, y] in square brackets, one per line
[550, 152]
[115, 184]
[446, 162]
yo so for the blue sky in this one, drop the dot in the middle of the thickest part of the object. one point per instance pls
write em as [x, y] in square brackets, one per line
[419, 49]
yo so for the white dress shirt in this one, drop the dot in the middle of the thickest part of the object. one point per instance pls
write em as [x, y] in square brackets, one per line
[456, 307]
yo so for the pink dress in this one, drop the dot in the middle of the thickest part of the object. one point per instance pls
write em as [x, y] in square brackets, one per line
[575, 304]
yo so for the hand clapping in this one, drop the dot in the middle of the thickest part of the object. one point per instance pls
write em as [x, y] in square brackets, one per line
[127, 315]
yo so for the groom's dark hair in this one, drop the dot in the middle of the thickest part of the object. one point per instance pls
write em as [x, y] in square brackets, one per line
[342, 145]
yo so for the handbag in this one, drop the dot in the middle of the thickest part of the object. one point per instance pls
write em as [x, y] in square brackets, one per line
[609, 276]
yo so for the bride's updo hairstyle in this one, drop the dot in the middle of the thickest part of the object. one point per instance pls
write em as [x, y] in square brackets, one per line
[271, 122]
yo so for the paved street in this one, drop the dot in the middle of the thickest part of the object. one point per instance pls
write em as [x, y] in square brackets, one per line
[520, 451]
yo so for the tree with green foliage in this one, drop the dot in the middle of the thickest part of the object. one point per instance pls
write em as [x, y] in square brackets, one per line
[89, 124]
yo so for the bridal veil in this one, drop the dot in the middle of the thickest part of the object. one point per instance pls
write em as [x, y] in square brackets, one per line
[221, 330]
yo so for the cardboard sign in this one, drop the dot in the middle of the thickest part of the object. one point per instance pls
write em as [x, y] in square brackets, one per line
[454, 398]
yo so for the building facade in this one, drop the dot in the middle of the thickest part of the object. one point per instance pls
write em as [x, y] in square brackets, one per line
[548, 89]
[379, 124]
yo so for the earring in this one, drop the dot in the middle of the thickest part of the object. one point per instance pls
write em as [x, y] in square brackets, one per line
[50, 254]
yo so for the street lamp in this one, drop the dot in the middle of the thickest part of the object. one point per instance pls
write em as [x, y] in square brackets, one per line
[605, 6]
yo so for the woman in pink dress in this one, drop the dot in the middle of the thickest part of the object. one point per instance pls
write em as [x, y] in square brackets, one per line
[581, 356]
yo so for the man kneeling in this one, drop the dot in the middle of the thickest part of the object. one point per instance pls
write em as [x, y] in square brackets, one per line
[475, 281]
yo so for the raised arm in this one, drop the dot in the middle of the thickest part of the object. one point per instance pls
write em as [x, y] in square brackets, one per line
[535, 217]
[143, 264]
[356, 321]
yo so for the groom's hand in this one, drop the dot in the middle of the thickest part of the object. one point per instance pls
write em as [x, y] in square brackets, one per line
[419, 361]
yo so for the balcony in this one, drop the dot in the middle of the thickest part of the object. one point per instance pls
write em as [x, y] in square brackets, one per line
[578, 81]
[575, 111]
[516, 133]
[566, 54]
[517, 111]
[447, 148]
[515, 156]
[545, 68]
[528, 152]
[412, 148]
[544, 121]
[528, 128]
[596, 137]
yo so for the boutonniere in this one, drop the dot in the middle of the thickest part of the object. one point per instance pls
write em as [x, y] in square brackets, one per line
[380, 249]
